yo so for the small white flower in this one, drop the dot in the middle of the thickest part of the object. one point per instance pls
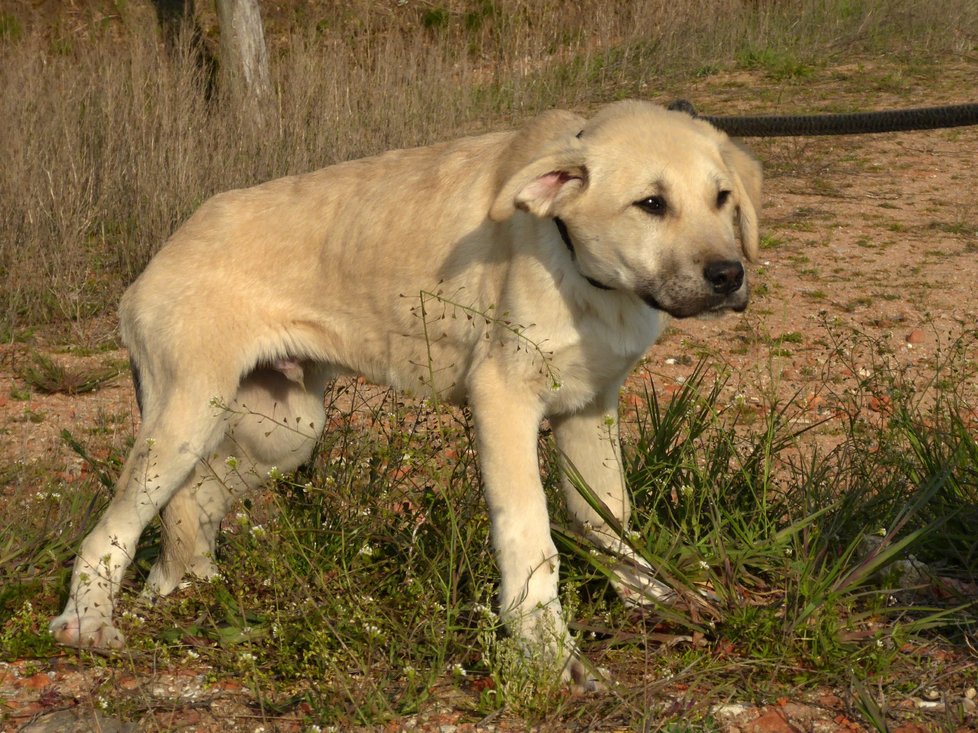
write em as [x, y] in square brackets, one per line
[366, 550]
[881, 531]
[274, 474]
[132, 617]
[231, 462]
[788, 552]
[704, 565]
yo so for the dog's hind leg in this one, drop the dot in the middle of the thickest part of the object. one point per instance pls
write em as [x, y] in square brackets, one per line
[274, 421]
[177, 430]
[590, 453]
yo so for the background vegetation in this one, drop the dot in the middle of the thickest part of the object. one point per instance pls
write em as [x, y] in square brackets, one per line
[111, 138]
[361, 589]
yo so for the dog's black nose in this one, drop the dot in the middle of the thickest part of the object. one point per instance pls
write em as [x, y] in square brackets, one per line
[725, 276]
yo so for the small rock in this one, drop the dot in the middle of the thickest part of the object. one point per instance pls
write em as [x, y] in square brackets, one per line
[35, 681]
[730, 710]
[77, 721]
[771, 721]
[915, 337]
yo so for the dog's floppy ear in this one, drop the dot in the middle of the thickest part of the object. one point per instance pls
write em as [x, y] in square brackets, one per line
[540, 187]
[747, 181]
[542, 165]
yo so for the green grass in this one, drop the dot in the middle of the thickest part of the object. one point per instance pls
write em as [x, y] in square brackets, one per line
[43, 373]
[370, 570]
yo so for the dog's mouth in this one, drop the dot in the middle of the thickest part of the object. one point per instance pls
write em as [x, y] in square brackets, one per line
[709, 307]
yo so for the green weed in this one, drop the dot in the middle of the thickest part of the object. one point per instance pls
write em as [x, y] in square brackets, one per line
[44, 374]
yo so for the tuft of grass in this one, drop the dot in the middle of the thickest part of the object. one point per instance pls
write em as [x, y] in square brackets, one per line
[798, 559]
[778, 65]
[44, 374]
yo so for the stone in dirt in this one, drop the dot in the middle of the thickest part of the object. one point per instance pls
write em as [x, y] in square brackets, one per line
[77, 720]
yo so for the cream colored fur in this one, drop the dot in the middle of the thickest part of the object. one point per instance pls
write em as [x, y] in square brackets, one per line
[265, 294]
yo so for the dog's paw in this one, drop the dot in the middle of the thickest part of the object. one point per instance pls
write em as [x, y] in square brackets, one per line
[637, 588]
[86, 632]
[584, 678]
[164, 578]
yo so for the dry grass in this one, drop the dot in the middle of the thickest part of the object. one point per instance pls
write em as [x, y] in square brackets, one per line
[111, 137]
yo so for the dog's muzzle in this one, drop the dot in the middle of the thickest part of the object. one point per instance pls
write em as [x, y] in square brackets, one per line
[720, 286]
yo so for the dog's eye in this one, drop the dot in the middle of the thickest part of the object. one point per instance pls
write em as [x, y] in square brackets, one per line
[655, 205]
[722, 198]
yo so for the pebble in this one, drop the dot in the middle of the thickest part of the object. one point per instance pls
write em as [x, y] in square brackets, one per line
[77, 721]
[730, 710]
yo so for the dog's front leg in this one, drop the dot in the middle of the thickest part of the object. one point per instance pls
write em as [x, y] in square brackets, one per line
[590, 452]
[507, 419]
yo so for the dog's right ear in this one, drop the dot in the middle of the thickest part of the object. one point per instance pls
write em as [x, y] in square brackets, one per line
[542, 186]
[543, 163]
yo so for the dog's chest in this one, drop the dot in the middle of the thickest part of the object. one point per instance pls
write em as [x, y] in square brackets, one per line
[585, 353]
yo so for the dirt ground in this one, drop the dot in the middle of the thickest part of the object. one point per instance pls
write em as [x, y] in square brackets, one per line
[875, 234]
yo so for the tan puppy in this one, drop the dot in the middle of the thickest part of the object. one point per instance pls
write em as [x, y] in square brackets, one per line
[571, 237]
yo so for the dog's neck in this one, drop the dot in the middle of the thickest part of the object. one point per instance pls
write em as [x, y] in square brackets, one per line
[565, 235]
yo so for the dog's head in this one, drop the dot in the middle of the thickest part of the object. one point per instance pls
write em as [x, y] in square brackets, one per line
[653, 202]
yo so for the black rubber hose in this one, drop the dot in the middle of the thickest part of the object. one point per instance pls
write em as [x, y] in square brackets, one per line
[921, 118]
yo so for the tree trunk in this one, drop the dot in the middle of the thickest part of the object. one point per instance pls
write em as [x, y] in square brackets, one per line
[244, 59]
